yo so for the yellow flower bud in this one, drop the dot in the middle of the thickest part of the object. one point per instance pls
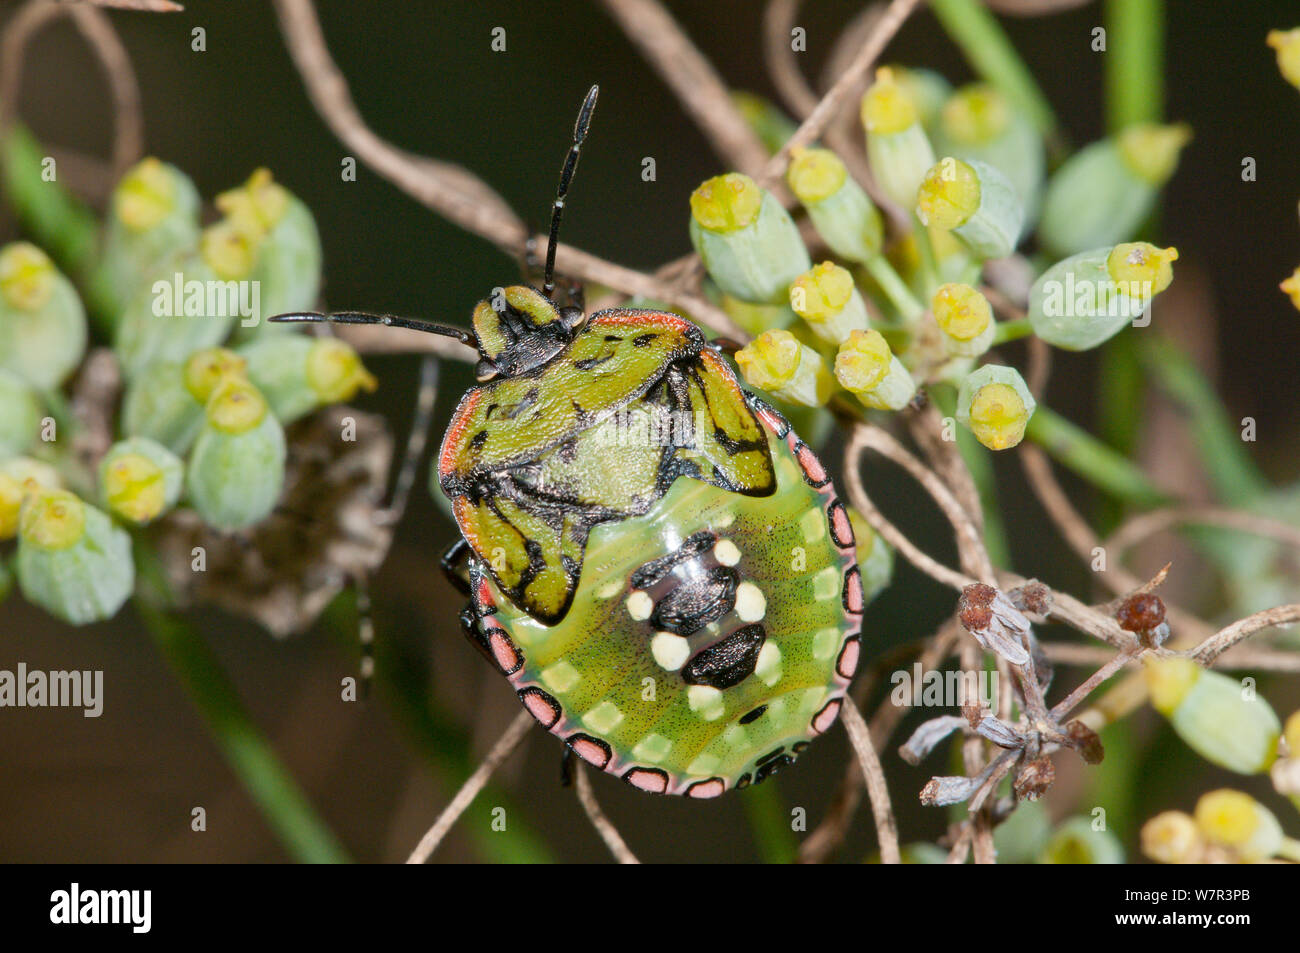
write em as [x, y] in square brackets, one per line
[1141, 269]
[726, 203]
[887, 107]
[777, 362]
[1172, 837]
[1237, 821]
[863, 361]
[1287, 44]
[998, 416]
[134, 487]
[949, 194]
[27, 276]
[145, 196]
[1291, 732]
[235, 407]
[1169, 680]
[207, 368]
[821, 293]
[255, 207]
[335, 371]
[815, 174]
[228, 250]
[52, 520]
[1291, 286]
[975, 114]
[965, 318]
[11, 501]
[1150, 151]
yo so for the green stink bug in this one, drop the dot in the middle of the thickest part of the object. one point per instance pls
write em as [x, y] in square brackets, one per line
[656, 562]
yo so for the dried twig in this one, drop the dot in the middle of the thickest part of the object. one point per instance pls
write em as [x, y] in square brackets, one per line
[604, 826]
[1145, 525]
[450, 190]
[889, 24]
[692, 77]
[874, 775]
[504, 747]
[95, 26]
[1230, 635]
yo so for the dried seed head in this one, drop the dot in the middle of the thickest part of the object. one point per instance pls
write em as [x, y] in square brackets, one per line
[975, 607]
[1086, 741]
[1033, 597]
[1034, 779]
[994, 622]
[940, 792]
[1140, 612]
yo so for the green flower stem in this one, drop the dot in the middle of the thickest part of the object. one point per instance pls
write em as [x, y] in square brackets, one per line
[1091, 459]
[925, 250]
[1012, 330]
[1134, 62]
[1134, 76]
[249, 754]
[769, 822]
[442, 742]
[895, 288]
[989, 50]
[1237, 481]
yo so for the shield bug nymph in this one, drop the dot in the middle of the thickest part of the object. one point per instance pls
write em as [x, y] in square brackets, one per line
[654, 559]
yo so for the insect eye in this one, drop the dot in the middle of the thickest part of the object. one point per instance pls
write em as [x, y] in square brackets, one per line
[572, 317]
[485, 370]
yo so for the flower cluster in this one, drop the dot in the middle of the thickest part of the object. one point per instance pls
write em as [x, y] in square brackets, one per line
[209, 384]
[883, 319]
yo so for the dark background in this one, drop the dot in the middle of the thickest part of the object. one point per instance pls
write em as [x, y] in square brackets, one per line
[121, 787]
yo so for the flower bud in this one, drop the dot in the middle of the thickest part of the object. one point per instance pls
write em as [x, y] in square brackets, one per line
[236, 469]
[747, 241]
[193, 307]
[159, 406]
[770, 124]
[995, 403]
[1236, 821]
[153, 218]
[875, 557]
[1172, 837]
[20, 415]
[1291, 286]
[42, 321]
[1103, 193]
[826, 298]
[840, 210]
[975, 202]
[298, 374]
[140, 479]
[1076, 842]
[978, 122]
[72, 561]
[898, 149]
[283, 233]
[20, 477]
[866, 367]
[927, 89]
[1287, 44]
[965, 319]
[1088, 298]
[778, 363]
[1214, 714]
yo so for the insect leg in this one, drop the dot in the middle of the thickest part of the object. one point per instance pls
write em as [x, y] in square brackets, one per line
[452, 558]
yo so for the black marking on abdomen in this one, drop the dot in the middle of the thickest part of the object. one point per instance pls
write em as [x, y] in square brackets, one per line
[694, 603]
[655, 570]
[754, 715]
[727, 662]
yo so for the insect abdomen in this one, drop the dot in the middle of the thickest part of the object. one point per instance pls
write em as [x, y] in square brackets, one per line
[709, 638]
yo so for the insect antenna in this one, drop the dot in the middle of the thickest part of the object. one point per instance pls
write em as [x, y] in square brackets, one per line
[566, 176]
[364, 317]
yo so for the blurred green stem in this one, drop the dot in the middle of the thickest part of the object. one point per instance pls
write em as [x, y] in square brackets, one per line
[251, 757]
[1134, 62]
[1091, 459]
[1236, 479]
[991, 53]
[770, 823]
